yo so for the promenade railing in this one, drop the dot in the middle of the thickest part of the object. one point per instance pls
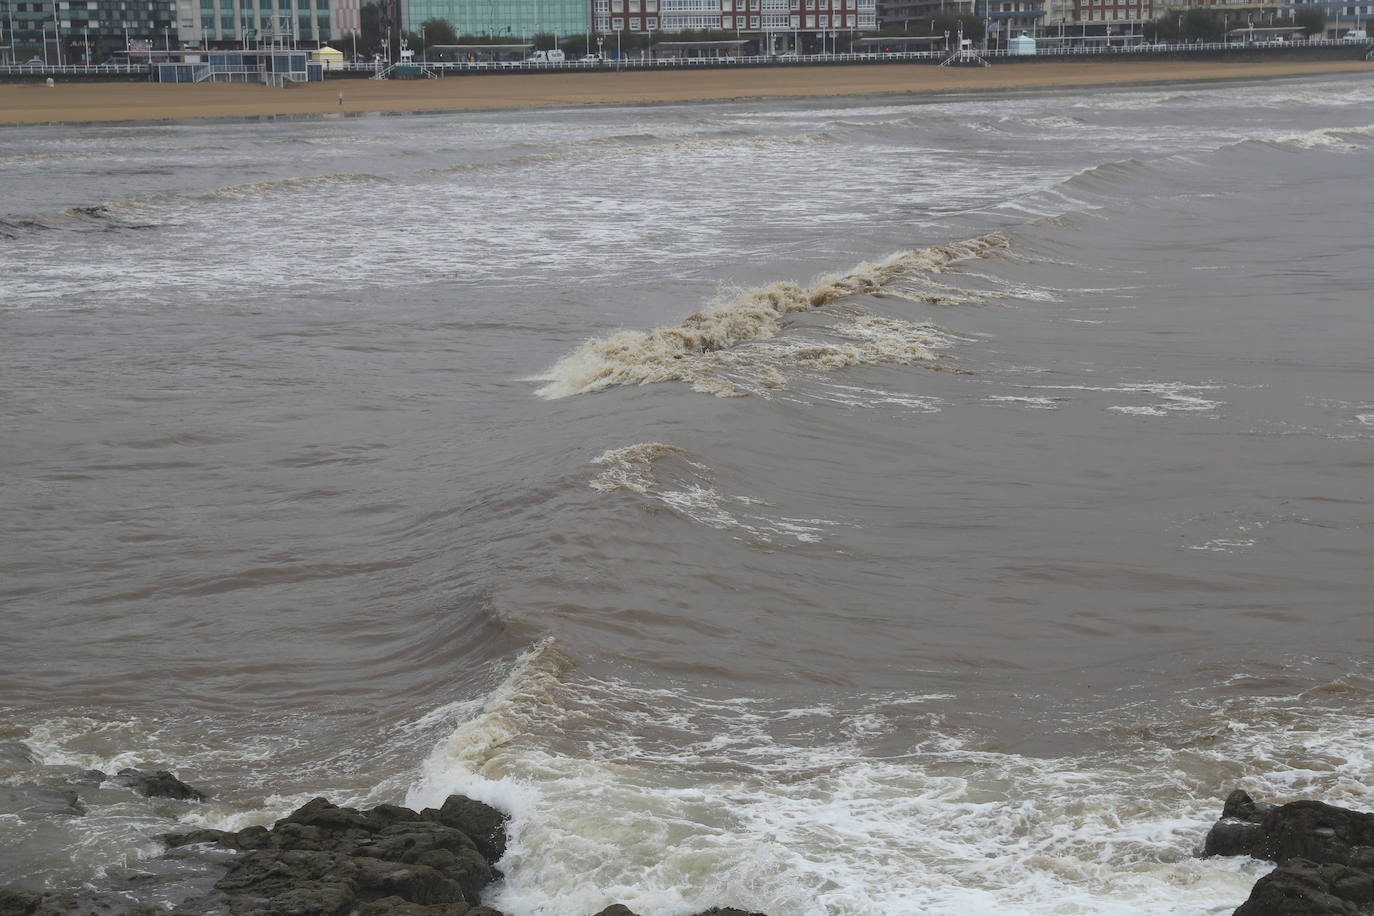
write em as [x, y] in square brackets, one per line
[1047, 49]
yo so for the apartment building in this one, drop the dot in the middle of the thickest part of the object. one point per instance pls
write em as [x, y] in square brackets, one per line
[84, 31]
[778, 25]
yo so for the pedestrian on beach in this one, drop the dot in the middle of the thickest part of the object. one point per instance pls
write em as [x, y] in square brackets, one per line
[340, 96]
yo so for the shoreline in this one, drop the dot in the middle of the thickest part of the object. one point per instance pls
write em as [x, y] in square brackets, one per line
[122, 102]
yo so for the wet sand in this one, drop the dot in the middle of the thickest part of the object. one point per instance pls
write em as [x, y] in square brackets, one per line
[83, 102]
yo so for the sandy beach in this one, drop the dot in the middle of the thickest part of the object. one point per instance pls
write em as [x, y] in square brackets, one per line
[86, 102]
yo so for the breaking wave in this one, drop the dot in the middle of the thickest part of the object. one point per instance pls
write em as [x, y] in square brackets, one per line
[697, 350]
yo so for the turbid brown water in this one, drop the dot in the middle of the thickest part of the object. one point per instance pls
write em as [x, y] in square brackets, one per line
[821, 506]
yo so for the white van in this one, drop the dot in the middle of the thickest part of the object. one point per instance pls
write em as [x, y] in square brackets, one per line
[546, 57]
[1356, 35]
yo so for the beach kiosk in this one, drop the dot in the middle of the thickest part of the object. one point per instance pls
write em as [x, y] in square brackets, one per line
[1021, 46]
[328, 58]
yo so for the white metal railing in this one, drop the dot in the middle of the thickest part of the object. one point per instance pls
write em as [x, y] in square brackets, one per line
[71, 69]
[1045, 48]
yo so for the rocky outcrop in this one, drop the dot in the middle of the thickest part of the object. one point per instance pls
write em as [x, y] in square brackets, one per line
[157, 784]
[321, 860]
[325, 859]
[1324, 854]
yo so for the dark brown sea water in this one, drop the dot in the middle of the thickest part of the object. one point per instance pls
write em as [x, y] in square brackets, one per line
[835, 507]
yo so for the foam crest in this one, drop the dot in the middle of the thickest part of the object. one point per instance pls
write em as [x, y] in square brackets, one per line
[688, 488]
[1328, 138]
[693, 350]
[513, 709]
[631, 467]
[673, 803]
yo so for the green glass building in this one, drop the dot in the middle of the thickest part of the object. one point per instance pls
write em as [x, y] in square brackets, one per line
[516, 19]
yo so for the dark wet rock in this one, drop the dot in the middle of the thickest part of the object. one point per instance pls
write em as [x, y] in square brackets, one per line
[19, 903]
[24, 903]
[157, 784]
[1240, 832]
[321, 860]
[1311, 830]
[1303, 888]
[324, 859]
[90, 778]
[484, 824]
[1325, 856]
[41, 801]
[16, 755]
[192, 837]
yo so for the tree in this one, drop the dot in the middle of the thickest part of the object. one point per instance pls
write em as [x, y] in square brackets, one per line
[370, 33]
[1167, 28]
[437, 31]
[1204, 24]
[574, 46]
[1312, 20]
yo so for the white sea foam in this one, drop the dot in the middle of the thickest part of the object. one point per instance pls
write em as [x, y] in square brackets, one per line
[1331, 138]
[796, 811]
[699, 349]
[1038, 403]
[1167, 397]
[688, 488]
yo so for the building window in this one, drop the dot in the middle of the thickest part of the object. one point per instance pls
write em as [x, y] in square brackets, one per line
[727, 22]
[810, 22]
[617, 24]
[825, 22]
[849, 22]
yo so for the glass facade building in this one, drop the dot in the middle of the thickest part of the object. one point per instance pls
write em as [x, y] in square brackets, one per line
[290, 23]
[516, 19]
[65, 31]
